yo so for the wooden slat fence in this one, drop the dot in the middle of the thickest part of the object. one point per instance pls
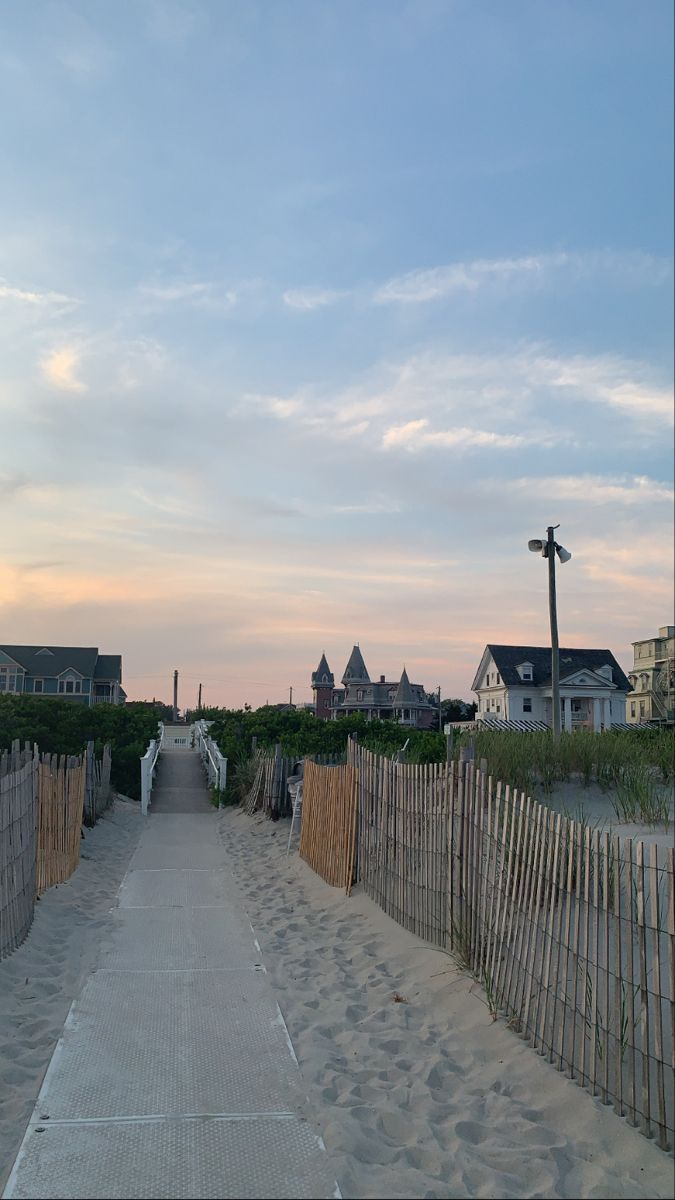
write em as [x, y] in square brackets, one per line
[403, 841]
[98, 789]
[18, 825]
[570, 931]
[61, 784]
[328, 830]
[269, 792]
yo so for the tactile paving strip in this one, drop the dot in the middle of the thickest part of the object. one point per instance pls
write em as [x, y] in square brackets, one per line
[172, 1043]
[179, 939]
[173, 888]
[186, 1160]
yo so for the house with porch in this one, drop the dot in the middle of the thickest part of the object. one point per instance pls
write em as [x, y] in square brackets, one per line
[651, 699]
[399, 700]
[76, 673]
[513, 683]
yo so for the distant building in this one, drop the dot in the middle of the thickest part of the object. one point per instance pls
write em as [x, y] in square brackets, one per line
[513, 683]
[74, 673]
[399, 700]
[652, 680]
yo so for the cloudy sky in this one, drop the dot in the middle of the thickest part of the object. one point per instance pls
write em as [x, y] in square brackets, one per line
[311, 314]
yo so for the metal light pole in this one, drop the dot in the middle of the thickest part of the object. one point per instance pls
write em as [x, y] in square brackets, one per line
[553, 617]
[548, 549]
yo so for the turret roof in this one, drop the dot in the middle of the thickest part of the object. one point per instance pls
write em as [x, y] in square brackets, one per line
[356, 668]
[404, 694]
[323, 673]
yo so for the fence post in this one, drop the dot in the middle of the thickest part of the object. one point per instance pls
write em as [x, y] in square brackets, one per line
[90, 785]
[448, 746]
[276, 779]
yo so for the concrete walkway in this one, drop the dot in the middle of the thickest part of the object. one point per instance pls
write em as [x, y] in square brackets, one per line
[175, 1076]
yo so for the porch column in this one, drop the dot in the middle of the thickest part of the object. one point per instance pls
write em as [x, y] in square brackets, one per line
[607, 712]
[567, 714]
[597, 720]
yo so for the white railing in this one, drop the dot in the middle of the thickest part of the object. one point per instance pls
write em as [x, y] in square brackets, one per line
[148, 764]
[214, 763]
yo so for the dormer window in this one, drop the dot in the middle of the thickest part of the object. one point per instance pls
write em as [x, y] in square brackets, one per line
[526, 672]
[44, 650]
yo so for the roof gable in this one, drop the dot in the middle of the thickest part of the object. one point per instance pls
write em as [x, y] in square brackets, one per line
[584, 677]
[7, 660]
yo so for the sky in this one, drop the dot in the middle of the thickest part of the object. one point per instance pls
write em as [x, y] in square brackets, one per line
[312, 314]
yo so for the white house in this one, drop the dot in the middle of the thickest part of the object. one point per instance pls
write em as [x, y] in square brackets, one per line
[513, 683]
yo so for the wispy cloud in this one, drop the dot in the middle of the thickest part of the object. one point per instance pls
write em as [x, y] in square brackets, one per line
[609, 380]
[34, 298]
[435, 283]
[59, 369]
[416, 435]
[591, 489]
[198, 293]
[514, 400]
[308, 299]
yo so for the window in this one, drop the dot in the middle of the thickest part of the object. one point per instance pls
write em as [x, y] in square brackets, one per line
[498, 679]
[642, 708]
[70, 686]
[7, 681]
[359, 694]
[527, 704]
[632, 708]
[38, 685]
[499, 708]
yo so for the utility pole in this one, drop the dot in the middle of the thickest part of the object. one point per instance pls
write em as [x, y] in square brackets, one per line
[440, 711]
[199, 700]
[290, 696]
[175, 696]
[553, 613]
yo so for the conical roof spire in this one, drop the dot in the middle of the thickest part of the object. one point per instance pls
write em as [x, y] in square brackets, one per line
[355, 671]
[404, 695]
[323, 676]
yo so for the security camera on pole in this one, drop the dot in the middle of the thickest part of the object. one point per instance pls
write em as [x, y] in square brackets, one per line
[548, 549]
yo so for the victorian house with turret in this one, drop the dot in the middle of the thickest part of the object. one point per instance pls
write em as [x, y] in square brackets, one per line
[398, 700]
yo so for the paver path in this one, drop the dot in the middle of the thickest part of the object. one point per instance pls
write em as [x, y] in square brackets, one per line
[175, 1076]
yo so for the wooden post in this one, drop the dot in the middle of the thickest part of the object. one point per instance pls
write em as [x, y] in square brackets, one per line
[448, 746]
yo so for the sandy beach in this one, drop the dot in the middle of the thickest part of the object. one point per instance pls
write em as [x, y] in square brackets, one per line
[420, 1093]
[417, 1092]
[41, 979]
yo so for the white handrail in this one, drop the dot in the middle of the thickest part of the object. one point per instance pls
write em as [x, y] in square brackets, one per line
[210, 754]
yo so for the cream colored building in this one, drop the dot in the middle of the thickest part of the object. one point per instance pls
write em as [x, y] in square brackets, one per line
[652, 695]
